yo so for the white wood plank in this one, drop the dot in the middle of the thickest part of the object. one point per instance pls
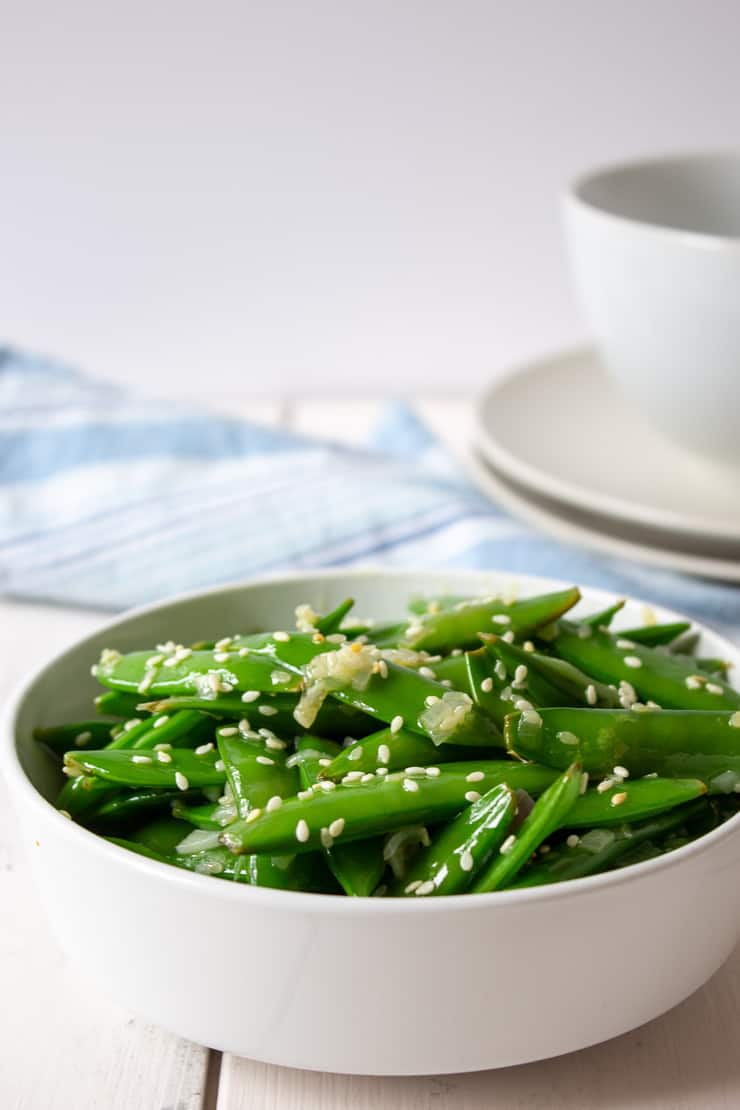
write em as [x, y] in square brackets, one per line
[64, 1044]
[686, 1060]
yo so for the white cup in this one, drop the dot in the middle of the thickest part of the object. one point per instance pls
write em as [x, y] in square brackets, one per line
[655, 250]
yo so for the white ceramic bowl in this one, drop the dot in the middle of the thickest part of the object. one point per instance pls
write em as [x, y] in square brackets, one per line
[655, 249]
[370, 986]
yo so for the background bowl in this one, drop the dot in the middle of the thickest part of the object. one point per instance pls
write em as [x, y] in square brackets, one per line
[384, 987]
[655, 251]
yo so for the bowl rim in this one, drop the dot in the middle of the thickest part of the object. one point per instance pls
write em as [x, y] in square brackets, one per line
[710, 241]
[302, 901]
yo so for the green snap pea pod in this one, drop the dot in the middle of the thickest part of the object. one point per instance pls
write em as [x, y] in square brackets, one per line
[125, 807]
[461, 627]
[600, 849]
[211, 816]
[686, 644]
[604, 617]
[486, 688]
[331, 622]
[462, 848]
[393, 693]
[668, 679]
[114, 703]
[394, 750]
[549, 680]
[183, 769]
[670, 742]
[423, 606]
[357, 810]
[550, 812]
[634, 800]
[81, 734]
[713, 666]
[162, 835]
[273, 711]
[254, 771]
[205, 673]
[656, 635]
[83, 794]
[359, 865]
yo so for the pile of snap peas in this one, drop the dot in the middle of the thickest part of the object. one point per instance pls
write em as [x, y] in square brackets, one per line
[479, 744]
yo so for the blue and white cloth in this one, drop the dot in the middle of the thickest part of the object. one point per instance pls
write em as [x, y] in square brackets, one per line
[108, 500]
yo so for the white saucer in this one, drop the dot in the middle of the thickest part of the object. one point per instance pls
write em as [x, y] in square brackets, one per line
[560, 429]
[590, 531]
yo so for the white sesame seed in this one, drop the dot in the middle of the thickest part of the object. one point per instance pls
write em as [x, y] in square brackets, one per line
[487, 685]
[337, 827]
[622, 644]
[267, 710]
[253, 815]
[430, 700]
[566, 737]
[181, 781]
[475, 776]
[604, 785]
[266, 733]
[410, 785]
[265, 760]
[325, 762]
[591, 695]
[65, 813]
[352, 776]
[396, 724]
[433, 772]
[620, 772]
[230, 730]
[128, 725]
[501, 618]
[521, 704]
[326, 838]
[618, 799]
[383, 668]
[244, 652]
[336, 638]
[367, 777]
[584, 782]
[528, 645]
[632, 661]
[573, 840]
[82, 738]
[146, 682]
[384, 753]
[203, 749]
[226, 642]
[305, 795]
[472, 796]
[520, 674]
[412, 886]
[244, 727]
[427, 672]
[466, 860]
[281, 637]
[425, 888]
[274, 803]
[164, 757]
[355, 753]
[141, 759]
[508, 637]
[302, 831]
[415, 770]
[381, 770]
[220, 656]
[734, 721]
[500, 670]
[327, 785]
[446, 682]
[219, 765]
[508, 844]
[714, 688]
[694, 681]
[250, 695]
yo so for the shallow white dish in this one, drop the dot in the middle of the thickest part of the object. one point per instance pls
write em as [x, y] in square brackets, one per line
[582, 529]
[560, 427]
[362, 986]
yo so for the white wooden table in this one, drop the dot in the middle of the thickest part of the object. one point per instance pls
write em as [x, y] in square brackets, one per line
[63, 1045]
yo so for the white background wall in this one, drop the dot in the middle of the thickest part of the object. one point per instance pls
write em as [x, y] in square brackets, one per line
[326, 195]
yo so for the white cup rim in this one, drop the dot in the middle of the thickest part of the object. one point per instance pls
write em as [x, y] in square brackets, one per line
[574, 196]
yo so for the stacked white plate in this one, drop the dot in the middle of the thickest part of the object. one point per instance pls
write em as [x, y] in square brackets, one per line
[558, 445]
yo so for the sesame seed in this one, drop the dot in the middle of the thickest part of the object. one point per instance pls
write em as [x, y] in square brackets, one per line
[325, 762]
[384, 753]
[203, 749]
[327, 785]
[416, 770]
[219, 765]
[244, 727]
[305, 795]
[501, 618]
[618, 799]
[381, 770]
[355, 753]
[433, 772]
[383, 668]
[302, 831]
[230, 730]
[396, 724]
[425, 888]
[226, 642]
[487, 685]
[267, 710]
[128, 725]
[620, 772]
[622, 644]
[65, 813]
[274, 803]
[466, 860]
[427, 672]
[265, 733]
[181, 781]
[446, 682]
[566, 737]
[410, 785]
[326, 838]
[250, 695]
[281, 637]
[164, 757]
[508, 844]
[528, 645]
[714, 688]
[336, 638]
[146, 682]
[508, 637]
[475, 776]
[573, 840]
[632, 661]
[244, 652]
[352, 776]
[265, 760]
[521, 704]
[500, 670]
[472, 796]
[591, 695]
[141, 759]
[220, 656]
[604, 785]
[337, 827]
[734, 721]
[520, 674]
[412, 886]
[584, 782]
[430, 700]
[367, 777]
[82, 738]
[253, 815]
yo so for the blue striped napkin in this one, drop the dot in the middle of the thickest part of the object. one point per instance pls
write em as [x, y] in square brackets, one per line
[108, 500]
